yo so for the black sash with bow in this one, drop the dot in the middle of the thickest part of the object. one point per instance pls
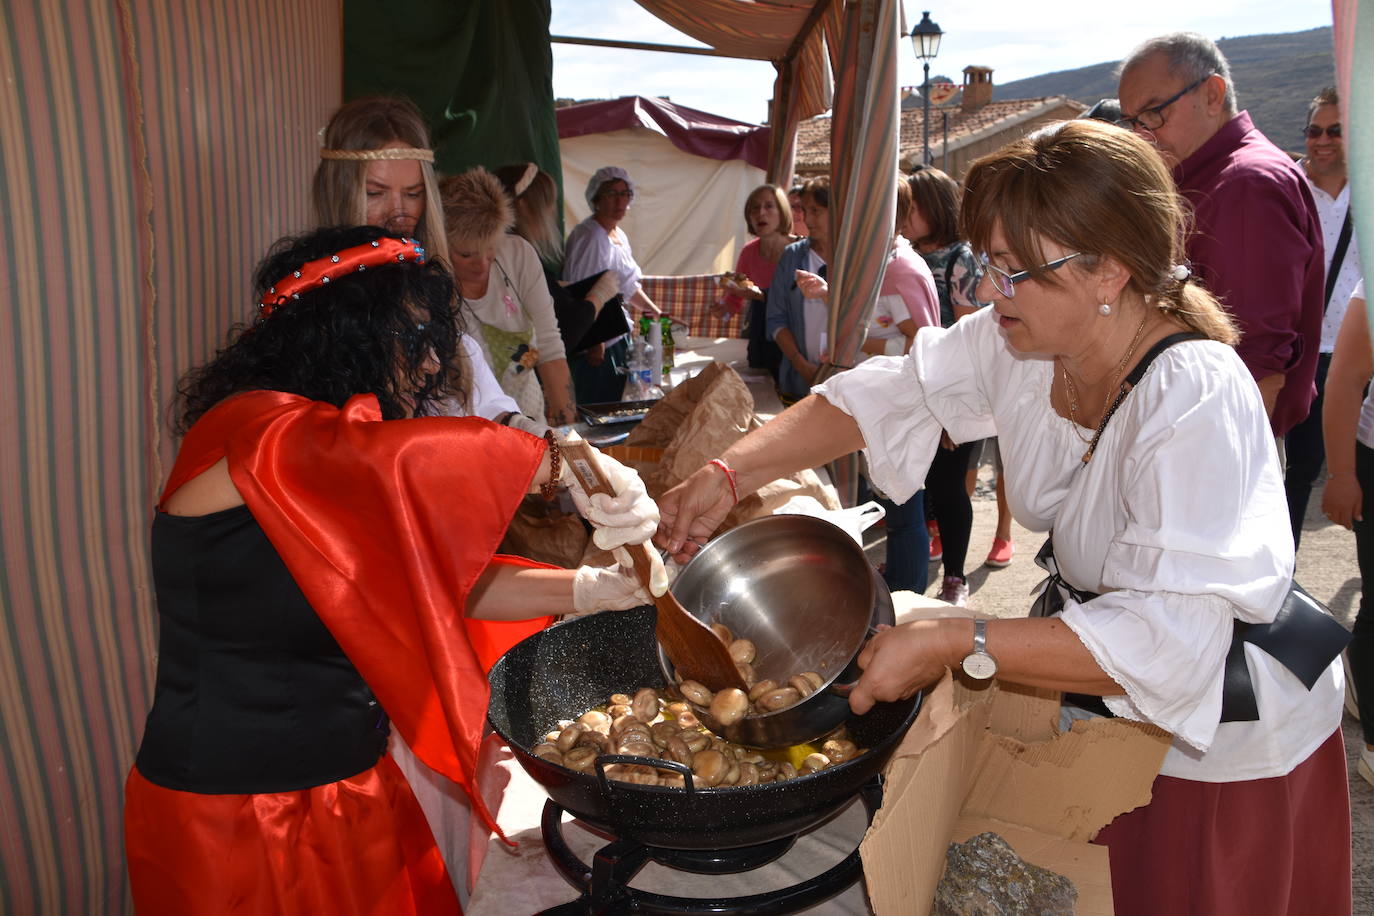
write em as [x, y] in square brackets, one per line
[1303, 636]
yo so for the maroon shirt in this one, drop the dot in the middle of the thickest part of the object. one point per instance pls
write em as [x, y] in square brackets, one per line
[1257, 245]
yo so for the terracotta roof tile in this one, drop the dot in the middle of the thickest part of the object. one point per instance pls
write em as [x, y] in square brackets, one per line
[813, 134]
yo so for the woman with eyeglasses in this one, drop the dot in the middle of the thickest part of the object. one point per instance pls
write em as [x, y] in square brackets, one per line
[596, 244]
[324, 560]
[1130, 428]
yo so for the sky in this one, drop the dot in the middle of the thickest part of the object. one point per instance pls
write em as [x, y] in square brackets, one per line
[1015, 38]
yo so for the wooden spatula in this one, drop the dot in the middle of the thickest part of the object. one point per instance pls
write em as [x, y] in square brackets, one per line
[696, 652]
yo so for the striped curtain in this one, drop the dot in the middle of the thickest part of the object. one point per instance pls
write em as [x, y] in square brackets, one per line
[148, 153]
[863, 143]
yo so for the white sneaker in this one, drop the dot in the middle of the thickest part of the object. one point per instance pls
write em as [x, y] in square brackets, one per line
[954, 590]
[1365, 765]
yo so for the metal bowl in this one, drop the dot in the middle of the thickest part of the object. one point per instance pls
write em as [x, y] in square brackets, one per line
[804, 592]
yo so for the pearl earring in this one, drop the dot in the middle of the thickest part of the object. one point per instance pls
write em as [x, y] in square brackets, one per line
[1104, 310]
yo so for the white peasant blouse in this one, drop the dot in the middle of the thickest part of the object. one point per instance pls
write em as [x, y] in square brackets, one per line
[1179, 522]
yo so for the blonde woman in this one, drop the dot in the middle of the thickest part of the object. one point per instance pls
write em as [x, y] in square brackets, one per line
[503, 289]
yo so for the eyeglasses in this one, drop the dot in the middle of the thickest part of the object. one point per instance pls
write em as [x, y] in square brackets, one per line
[1313, 131]
[1153, 118]
[1005, 283]
[628, 195]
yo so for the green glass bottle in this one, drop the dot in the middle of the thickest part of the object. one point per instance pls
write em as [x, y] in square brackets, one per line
[669, 348]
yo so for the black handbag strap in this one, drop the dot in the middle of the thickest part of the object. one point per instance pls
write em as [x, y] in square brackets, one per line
[1303, 637]
[1133, 379]
[1337, 258]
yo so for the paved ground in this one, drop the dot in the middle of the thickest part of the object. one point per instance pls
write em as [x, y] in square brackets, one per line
[1326, 568]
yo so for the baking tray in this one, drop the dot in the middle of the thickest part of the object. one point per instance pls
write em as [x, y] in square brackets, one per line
[615, 412]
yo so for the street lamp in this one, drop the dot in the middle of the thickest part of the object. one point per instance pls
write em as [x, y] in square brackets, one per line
[925, 39]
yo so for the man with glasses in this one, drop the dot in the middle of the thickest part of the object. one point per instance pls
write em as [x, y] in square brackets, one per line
[1256, 241]
[1324, 168]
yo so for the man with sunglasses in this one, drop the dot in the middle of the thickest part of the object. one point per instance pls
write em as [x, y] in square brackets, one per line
[1256, 240]
[1324, 167]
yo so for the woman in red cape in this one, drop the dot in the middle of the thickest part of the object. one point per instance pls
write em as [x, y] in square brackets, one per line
[325, 562]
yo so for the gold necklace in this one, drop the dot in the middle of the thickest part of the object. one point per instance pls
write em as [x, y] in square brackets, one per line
[1072, 394]
[1114, 389]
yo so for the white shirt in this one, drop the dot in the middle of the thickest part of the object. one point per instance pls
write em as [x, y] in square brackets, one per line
[591, 249]
[815, 316]
[1364, 431]
[1331, 211]
[1179, 522]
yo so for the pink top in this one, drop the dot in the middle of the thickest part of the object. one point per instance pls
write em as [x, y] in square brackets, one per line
[908, 277]
[756, 267]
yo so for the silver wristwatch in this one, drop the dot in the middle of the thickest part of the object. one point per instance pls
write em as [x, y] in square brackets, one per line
[978, 664]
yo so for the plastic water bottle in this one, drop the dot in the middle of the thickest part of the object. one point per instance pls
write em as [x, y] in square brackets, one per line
[634, 374]
[640, 384]
[651, 360]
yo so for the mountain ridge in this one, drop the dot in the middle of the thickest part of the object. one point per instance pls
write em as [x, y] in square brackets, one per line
[1275, 75]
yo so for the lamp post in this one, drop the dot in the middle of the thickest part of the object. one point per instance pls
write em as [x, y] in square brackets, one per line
[925, 39]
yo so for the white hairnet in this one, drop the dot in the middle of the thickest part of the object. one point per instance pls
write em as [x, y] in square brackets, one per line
[604, 174]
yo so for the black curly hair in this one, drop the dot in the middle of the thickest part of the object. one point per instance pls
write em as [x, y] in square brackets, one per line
[370, 332]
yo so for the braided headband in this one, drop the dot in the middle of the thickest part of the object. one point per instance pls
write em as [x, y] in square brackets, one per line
[317, 273]
[361, 155]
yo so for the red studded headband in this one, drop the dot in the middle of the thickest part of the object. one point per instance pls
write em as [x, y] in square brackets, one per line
[317, 273]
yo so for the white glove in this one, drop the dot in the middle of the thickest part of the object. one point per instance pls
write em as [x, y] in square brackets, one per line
[629, 518]
[608, 588]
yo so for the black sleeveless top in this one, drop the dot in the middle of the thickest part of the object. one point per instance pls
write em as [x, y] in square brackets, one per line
[253, 694]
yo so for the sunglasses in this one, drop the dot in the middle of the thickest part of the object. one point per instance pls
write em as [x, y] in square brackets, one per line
[1313, 131]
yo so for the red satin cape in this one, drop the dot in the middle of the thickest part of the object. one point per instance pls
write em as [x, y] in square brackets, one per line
[386, 526]
[356, 847]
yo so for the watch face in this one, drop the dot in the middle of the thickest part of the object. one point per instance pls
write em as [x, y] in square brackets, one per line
[979, 665]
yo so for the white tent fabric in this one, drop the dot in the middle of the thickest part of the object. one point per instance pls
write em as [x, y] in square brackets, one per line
[687, 216]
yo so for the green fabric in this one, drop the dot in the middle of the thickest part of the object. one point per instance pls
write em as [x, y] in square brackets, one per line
[481, 71]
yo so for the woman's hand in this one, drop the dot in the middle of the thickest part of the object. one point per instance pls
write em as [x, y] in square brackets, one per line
[596, 354]
[900, 660]
[813, 286]
[692, 511]
[806, 369]
[614, 588]
[1343, 500]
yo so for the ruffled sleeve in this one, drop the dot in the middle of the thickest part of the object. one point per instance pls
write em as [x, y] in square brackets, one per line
[1202, 537]
[901, 403]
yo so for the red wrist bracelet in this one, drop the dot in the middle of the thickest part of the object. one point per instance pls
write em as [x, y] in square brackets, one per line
[730, 477]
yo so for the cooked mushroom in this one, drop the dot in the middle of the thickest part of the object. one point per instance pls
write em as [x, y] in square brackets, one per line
[580, 758]
[645, 704]
[801, 684]
[814, 763]
[567, 738]
[743, 650]
[781, 698]
[596, 720]
[729, 706]
[546, 751]
[709, 766]
[723, 633]
[759, 689]
[840, 750]
[620, 699]
[696, 693]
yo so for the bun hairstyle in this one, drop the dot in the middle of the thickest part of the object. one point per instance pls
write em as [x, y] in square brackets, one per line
[1098, 189]
[477, 211]
[365, 332]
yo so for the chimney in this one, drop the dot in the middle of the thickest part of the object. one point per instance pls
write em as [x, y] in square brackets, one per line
[977, 87]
